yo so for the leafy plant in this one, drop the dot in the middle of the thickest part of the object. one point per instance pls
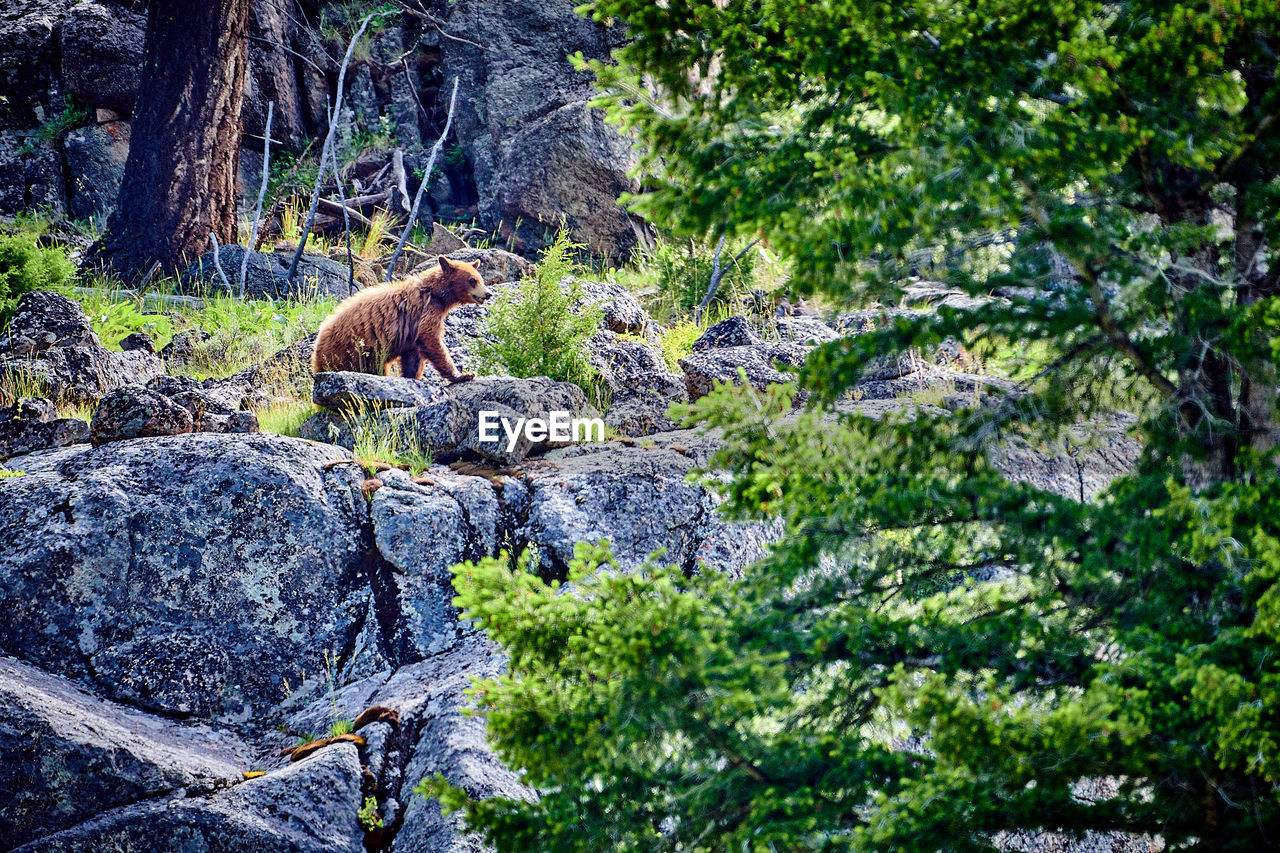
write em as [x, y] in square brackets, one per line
[368, 815]
[25, 265]
[541, 326]
[10, 472]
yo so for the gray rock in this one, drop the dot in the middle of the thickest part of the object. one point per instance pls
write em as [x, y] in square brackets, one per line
[870, 319]
[211, 413]
[267, 275]
[448, 742]
[622, 311]
[31, 175]
[495, 265]
[219, 395]
[637, 497]
[65, 755]
[444, 241]
[496, 444]
[735, 331]
[539, 154]
[801, 329]
[450, 425]
[182, 346]
[308, 807]
[135, 412]
[30, 424]
[29, 61]
[347, 392]
[1079, 466]
[442, 427]
[640, 412]
[156, 570]
[534, 397]
[50, 338]
[434, 736]
[627, 365]
[138, 341]
[102, 54]
[703, 369]
[422, 531]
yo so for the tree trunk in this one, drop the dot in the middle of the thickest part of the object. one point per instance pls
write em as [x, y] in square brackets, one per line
[180, 179]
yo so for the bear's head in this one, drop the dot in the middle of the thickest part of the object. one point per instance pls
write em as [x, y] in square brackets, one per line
[460, 283]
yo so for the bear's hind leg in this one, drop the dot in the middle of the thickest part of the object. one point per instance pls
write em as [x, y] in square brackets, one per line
[411, 364]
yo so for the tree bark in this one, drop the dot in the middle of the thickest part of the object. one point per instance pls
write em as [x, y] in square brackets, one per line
[180, 179]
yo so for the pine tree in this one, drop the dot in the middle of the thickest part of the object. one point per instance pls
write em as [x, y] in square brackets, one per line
[934, 655]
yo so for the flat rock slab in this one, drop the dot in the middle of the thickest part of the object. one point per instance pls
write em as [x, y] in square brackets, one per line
[192, 574]
[345, 391]
[65, 754]
[308, 807]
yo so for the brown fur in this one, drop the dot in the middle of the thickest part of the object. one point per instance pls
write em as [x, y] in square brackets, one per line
[401, 321]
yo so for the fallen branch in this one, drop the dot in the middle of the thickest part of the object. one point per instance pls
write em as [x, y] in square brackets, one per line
[327, 149]
[426, 179]
[148, 300]
[262, 195]
[344, 209]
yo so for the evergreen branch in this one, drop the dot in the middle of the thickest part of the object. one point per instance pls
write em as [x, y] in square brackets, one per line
[1102, 308]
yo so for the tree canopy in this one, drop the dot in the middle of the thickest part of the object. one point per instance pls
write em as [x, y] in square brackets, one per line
[934, 655]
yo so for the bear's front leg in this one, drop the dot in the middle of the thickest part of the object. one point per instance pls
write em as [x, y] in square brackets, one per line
[440, 360]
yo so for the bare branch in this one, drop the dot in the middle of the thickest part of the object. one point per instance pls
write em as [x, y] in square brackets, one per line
[346, 217]
[1102, 309]
[717, 273]
[426, 179]
[217, 261]
[326, 151]
[423, 15]
[262, 195]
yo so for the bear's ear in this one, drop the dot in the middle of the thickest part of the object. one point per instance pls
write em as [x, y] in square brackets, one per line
[445, 263]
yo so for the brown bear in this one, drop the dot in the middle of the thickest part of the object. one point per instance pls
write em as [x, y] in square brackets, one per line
[403, 320]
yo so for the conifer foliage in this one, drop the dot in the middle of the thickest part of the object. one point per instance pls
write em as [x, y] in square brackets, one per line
[935, 655]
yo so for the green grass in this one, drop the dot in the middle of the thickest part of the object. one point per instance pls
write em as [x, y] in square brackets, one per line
[284, 418]
[243, 333]
[18, 382]
[340, 727]
[6, 473]
[383, 438]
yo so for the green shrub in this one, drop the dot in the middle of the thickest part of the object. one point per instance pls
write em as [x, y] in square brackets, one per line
[25, 265]
[541, 326]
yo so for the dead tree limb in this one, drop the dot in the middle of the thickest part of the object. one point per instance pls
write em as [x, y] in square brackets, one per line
[426, 179]
[346, 217]
[327, 149]
[345, 209]
[217, 262]
[423, 15]
[262, 195]
[401, 188]
[717, 273]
